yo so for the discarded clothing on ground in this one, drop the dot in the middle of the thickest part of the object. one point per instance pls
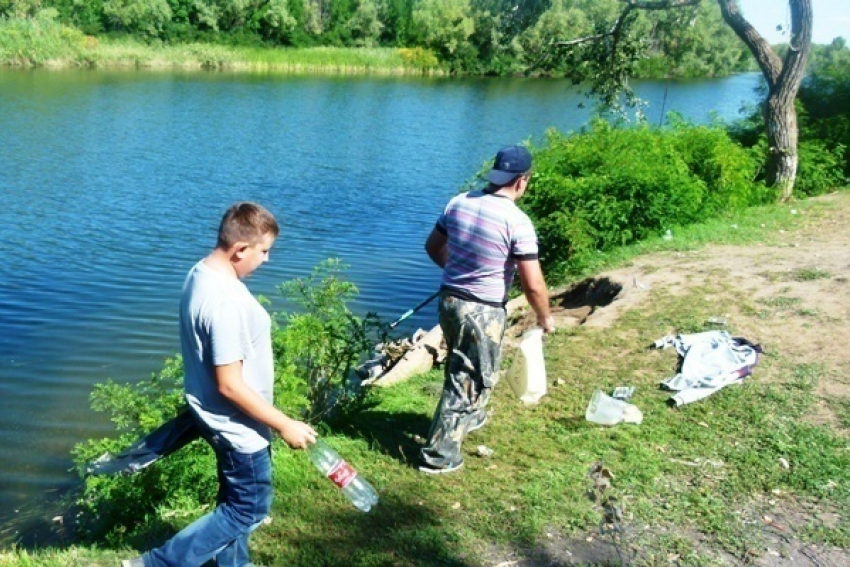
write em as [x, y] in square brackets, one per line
[709, 361]
[168, 438]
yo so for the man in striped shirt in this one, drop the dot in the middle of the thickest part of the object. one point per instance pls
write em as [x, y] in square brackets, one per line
[481, 238]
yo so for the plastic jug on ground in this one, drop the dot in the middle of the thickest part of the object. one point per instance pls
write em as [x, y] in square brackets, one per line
[527, 374]
[605, 410]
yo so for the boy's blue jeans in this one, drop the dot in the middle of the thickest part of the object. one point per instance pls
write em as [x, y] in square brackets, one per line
[244, 500]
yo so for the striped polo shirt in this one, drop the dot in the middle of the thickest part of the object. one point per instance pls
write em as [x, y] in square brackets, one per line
[487, 234]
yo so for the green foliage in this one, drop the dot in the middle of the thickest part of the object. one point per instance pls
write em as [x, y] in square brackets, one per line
[395, 16]
[318, 347]
[467, 36]
[609, 186]
[560, 21]
[419, 57]
[278, 21]
[124, 508]
[825, 98]
[143, 17]
[36, 40]
[823, 122]
[692, 42]
[314, 350]
[444, 26]
[19, 8]
[364, 25]
[821, 167]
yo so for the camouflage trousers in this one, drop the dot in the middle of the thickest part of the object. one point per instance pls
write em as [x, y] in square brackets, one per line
[473, 333]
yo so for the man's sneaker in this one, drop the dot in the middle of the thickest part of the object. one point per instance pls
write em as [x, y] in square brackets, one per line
[479, 423]
[135, 562]
[452, 467]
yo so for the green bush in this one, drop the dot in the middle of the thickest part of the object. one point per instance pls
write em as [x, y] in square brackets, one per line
[121, 508]
[36, 40]
[608, 186]
[821, 168]
[314, 350]
[419, 57]
[823, 123]
[825, 114]
[318, 347]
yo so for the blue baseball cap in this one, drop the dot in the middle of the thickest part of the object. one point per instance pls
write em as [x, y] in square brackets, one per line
[510, 162]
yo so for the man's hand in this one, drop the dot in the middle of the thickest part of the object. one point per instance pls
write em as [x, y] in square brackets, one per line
[547, 322]
[534, 287]
[297, 434]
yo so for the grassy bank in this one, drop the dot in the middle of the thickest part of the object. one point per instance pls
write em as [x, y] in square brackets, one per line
[701, 484]
[47, 43]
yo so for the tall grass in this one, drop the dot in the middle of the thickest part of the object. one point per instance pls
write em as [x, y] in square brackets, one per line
[38, 41]
[42, 41]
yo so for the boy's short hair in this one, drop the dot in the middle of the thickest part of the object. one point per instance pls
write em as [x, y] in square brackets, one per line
[245, 222]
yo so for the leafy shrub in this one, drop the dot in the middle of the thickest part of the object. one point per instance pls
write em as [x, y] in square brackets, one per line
[823, 123]
[825, 99]
[122, 508]
[608, 186]
[314, 349]
[821, 168]
[36, 40]
[143, 17]
[419, 57]
[318, 347]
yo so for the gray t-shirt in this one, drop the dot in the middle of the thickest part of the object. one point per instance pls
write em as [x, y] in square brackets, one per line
[221, 323]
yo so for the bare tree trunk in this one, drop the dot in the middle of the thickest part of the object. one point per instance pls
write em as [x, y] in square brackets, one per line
[783, 81]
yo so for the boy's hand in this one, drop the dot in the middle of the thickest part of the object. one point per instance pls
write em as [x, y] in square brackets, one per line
[297, 434]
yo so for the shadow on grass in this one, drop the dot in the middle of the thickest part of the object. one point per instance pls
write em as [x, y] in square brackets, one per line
[393, 432]
[573, 424]
[395, 533]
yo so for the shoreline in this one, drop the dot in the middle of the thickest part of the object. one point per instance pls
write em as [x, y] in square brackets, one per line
[60, 64]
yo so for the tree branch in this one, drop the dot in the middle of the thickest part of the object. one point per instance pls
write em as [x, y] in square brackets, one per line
[614, 31]
[663, 5]
[618, 25]
[799, 46]
[769, 63]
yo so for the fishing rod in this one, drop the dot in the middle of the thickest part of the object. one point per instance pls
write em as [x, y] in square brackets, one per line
[410, 312]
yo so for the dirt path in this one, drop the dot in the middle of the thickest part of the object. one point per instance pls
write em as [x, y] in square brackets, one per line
[795, 301]
[801, 285]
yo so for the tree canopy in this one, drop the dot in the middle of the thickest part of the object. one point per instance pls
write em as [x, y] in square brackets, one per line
[468, 36]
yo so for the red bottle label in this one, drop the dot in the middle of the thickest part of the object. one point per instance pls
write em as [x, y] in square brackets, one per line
[342, 474]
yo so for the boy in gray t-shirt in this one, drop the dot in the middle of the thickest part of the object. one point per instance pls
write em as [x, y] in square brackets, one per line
[229, 376]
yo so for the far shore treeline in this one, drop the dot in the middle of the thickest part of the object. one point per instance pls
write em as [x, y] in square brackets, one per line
[482, 37]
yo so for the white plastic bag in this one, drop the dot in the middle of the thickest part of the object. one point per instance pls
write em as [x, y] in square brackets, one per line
[605, 410]
[527, 374]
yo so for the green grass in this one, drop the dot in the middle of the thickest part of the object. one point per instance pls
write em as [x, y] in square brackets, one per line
[809, 274]
[697, 468]
[690, 480]
[339, 60]
[768, 226]
[44, 42]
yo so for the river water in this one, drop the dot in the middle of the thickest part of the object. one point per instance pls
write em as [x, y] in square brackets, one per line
[113, 183]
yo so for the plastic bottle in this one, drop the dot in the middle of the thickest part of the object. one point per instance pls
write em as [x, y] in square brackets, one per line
[330, 464]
